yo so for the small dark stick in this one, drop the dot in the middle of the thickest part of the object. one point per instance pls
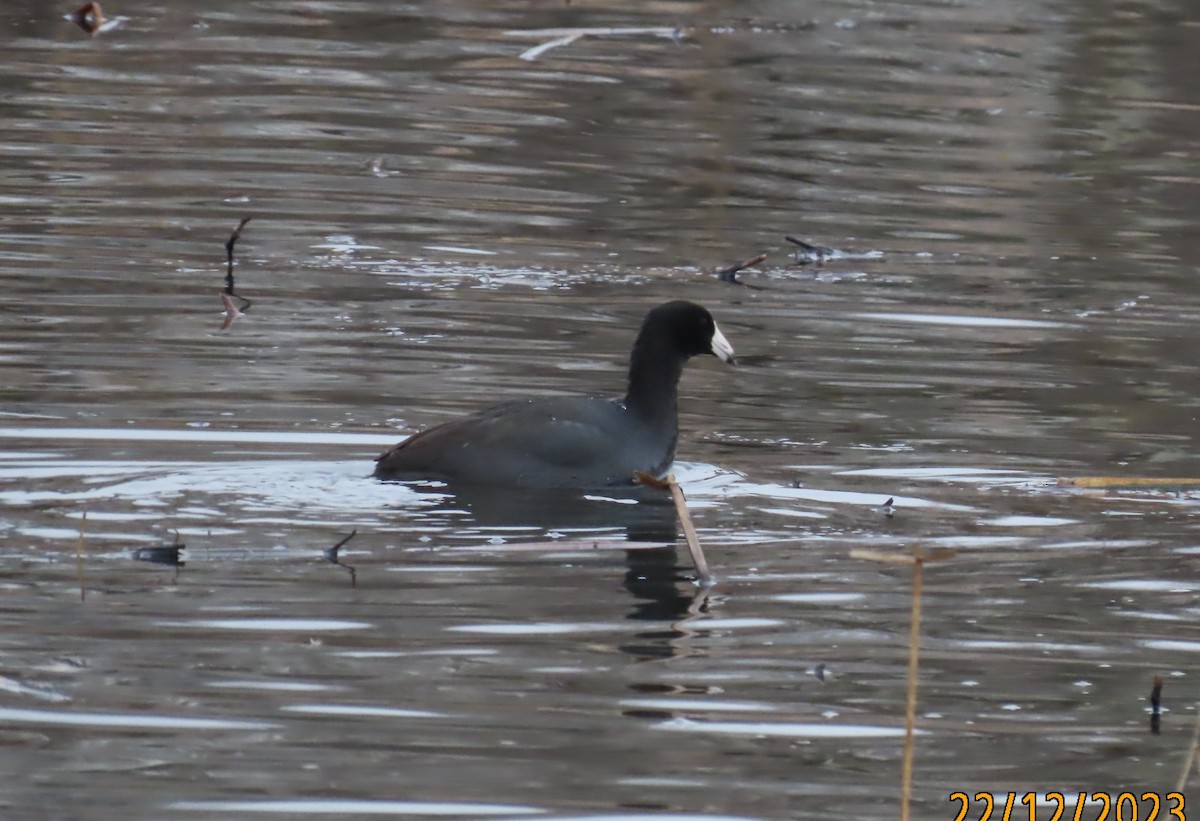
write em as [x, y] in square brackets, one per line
[811, 253]
[730, 272]
[232, 309]
[229, 243]
[1156, 705]
[331, 556]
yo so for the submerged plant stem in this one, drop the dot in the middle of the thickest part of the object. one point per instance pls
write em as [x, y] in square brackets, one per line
[689, 532]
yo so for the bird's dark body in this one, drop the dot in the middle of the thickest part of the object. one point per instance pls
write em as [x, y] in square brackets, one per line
[544, 443]
[571, 442]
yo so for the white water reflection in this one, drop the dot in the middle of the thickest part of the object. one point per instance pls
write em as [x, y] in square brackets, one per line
[714, 705]
[274, 625]
[794, 729]
[351, 806]
[260, 437]
[964, 321]
[131, 721]
[359, 711]
[535, 629]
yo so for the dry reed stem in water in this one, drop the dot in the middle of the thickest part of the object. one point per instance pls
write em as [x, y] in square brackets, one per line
[689, 530]
[1191, 755]
[914, 659]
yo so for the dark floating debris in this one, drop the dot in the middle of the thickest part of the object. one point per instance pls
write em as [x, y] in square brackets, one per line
[163, 554]
[1156, 706]
[233, 310]
[730, 272]
[888, 508]
[808, 253]
[819, 672]
[331, 556]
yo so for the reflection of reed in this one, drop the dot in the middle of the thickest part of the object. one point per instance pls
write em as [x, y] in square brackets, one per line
[664, 595]
[79, 556]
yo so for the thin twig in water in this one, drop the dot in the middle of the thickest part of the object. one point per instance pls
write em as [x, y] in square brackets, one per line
[232, 309]
[914, 660]
[809, 252]
[331, 556]
[1156, 706]
[564, 37]
[537, 51]
[229, 243]
[79, 556]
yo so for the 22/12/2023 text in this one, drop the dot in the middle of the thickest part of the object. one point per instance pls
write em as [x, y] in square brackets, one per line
[1056, 806]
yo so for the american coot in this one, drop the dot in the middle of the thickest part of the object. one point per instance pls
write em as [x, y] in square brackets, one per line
[572, 442]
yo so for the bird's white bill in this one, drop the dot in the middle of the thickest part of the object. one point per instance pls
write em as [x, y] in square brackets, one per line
[720, 345]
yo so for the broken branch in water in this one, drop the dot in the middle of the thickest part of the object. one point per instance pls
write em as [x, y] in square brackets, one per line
[730, 272]
[331, 556]
[564, 37]
[232, 309]
[703, 576]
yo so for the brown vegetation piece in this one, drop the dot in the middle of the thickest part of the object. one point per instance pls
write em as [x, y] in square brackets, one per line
[1116, 482]
[703, 576]
[89, 17]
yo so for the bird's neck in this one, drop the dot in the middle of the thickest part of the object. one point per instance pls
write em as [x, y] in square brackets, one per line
[654, 387]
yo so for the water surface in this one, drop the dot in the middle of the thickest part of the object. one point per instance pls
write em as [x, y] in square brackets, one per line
[439, 224]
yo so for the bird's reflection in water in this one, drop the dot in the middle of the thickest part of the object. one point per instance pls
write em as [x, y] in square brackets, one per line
[636, 513]
[662, 588]
[665, 594]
